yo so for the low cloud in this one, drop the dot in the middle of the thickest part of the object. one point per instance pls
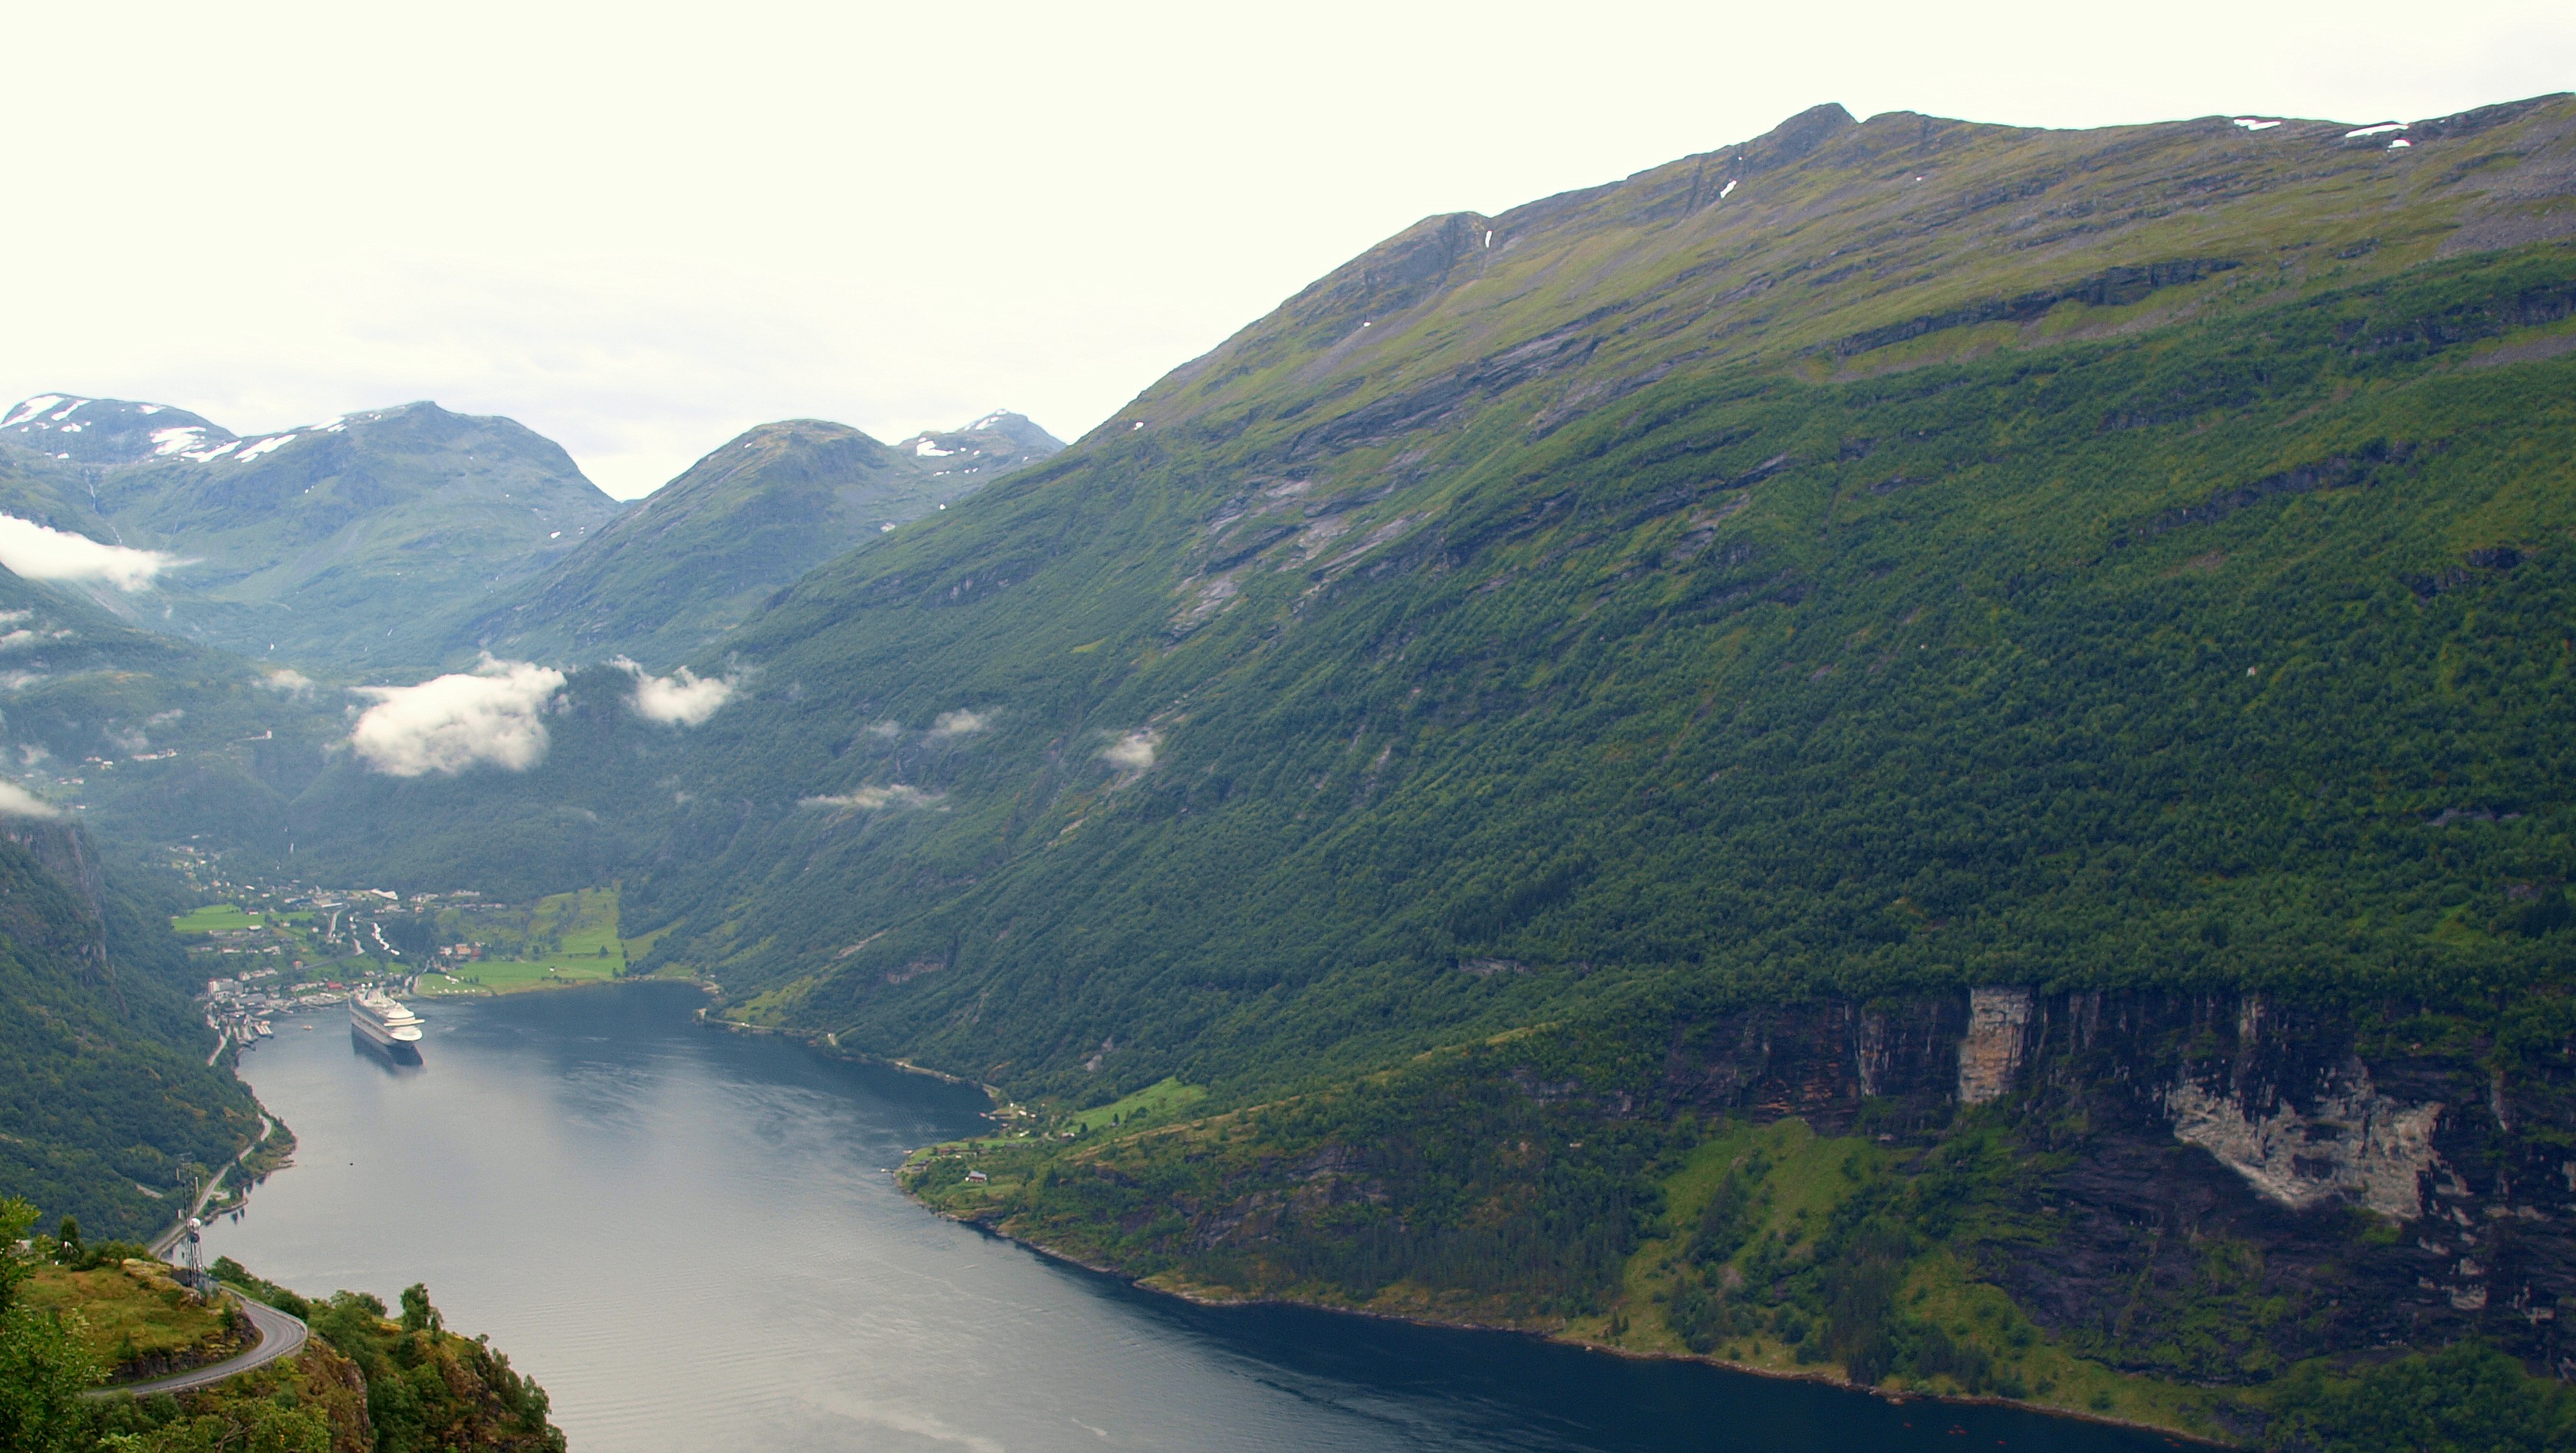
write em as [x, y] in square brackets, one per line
[493, 715]
[39, 553]
[17, 801]
[286, 681]
[959, 723]
[682, 698]
[1134, 752]
[872, 799]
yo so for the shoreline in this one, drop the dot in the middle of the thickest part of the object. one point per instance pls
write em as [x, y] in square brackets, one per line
[824, 1042]
[1825, 1379]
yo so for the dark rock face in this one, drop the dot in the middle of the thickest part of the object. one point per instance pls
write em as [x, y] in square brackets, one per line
[65, 852]
[2222, 1184]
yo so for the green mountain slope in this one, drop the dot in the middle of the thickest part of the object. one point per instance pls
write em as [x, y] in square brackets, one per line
[329, 544]
[150, 738]
[1887, 639]
[51, 492]
[104, 1089]
[683, 568]
[2040, 657]
[1994, 647]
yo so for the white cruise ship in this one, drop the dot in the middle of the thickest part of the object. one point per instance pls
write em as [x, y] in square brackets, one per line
[377, 1018]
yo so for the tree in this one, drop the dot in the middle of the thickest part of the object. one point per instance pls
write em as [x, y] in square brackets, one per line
[43, 1367]
[417, 1314]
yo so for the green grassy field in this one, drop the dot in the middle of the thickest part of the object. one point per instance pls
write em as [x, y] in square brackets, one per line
[569, 938]
[1154, 1102]
[123, 1316]
[212, 918]
[512, 976]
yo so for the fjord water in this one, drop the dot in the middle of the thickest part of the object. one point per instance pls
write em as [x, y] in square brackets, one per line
[688, 1238]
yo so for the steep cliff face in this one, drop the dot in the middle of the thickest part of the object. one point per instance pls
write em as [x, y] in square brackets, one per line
[67, 855]
[2394, 1179]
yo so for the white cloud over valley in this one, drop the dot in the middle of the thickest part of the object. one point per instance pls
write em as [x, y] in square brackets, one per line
[959, 723]
[1134, 752]
[38, 552]
[493, 715]
[682, 698]
[17, 801]
[872, 799]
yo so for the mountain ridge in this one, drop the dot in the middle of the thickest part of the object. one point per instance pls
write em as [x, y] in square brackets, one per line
[689, 562]
[322, 542]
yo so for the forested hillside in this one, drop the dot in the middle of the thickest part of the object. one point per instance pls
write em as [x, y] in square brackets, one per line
[1379, 676]
[1882, 555]
[104, 1090]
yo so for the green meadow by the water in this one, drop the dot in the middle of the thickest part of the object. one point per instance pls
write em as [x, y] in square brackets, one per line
[214, 918]
[567, 938]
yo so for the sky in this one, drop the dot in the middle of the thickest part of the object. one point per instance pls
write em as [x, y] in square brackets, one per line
[642, 228]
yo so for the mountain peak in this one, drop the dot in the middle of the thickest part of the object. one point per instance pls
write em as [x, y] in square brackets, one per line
[996, 441]
[105, 431]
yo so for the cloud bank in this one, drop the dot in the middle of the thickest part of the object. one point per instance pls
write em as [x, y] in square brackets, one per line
[17, 801]
[959, 723]
[39, 553]
[680, 699]
[871, 799]
[493, 715]
[1134, 752]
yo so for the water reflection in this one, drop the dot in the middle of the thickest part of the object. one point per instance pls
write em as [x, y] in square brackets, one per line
[402, 1060]
[689, 1238]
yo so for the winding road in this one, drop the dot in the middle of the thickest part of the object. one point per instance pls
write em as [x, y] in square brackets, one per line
[279, 1336]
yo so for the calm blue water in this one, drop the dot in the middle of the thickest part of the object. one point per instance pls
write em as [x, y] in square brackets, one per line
[687, 1237]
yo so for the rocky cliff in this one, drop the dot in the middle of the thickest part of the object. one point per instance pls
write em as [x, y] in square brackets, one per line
[2397, 1180]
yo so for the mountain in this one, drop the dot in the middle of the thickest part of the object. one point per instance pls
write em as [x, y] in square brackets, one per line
[1772, 568]
[109, 431]
[149, 738]
[705, 551]
[104, 1088]
[320, 544]
[1915, 751]
[994, 444]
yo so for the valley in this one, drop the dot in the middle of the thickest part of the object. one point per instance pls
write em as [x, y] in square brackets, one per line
[290, 946]
[1915, 754]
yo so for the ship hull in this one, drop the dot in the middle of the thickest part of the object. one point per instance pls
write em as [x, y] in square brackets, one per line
[395, 1052]
[375, 1033]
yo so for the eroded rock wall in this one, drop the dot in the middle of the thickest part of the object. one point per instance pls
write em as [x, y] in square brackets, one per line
[2222, 1179]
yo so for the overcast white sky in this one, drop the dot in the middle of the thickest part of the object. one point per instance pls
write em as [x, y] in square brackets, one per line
[640, 228]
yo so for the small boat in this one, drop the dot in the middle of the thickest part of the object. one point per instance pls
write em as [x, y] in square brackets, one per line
[265, 1029]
